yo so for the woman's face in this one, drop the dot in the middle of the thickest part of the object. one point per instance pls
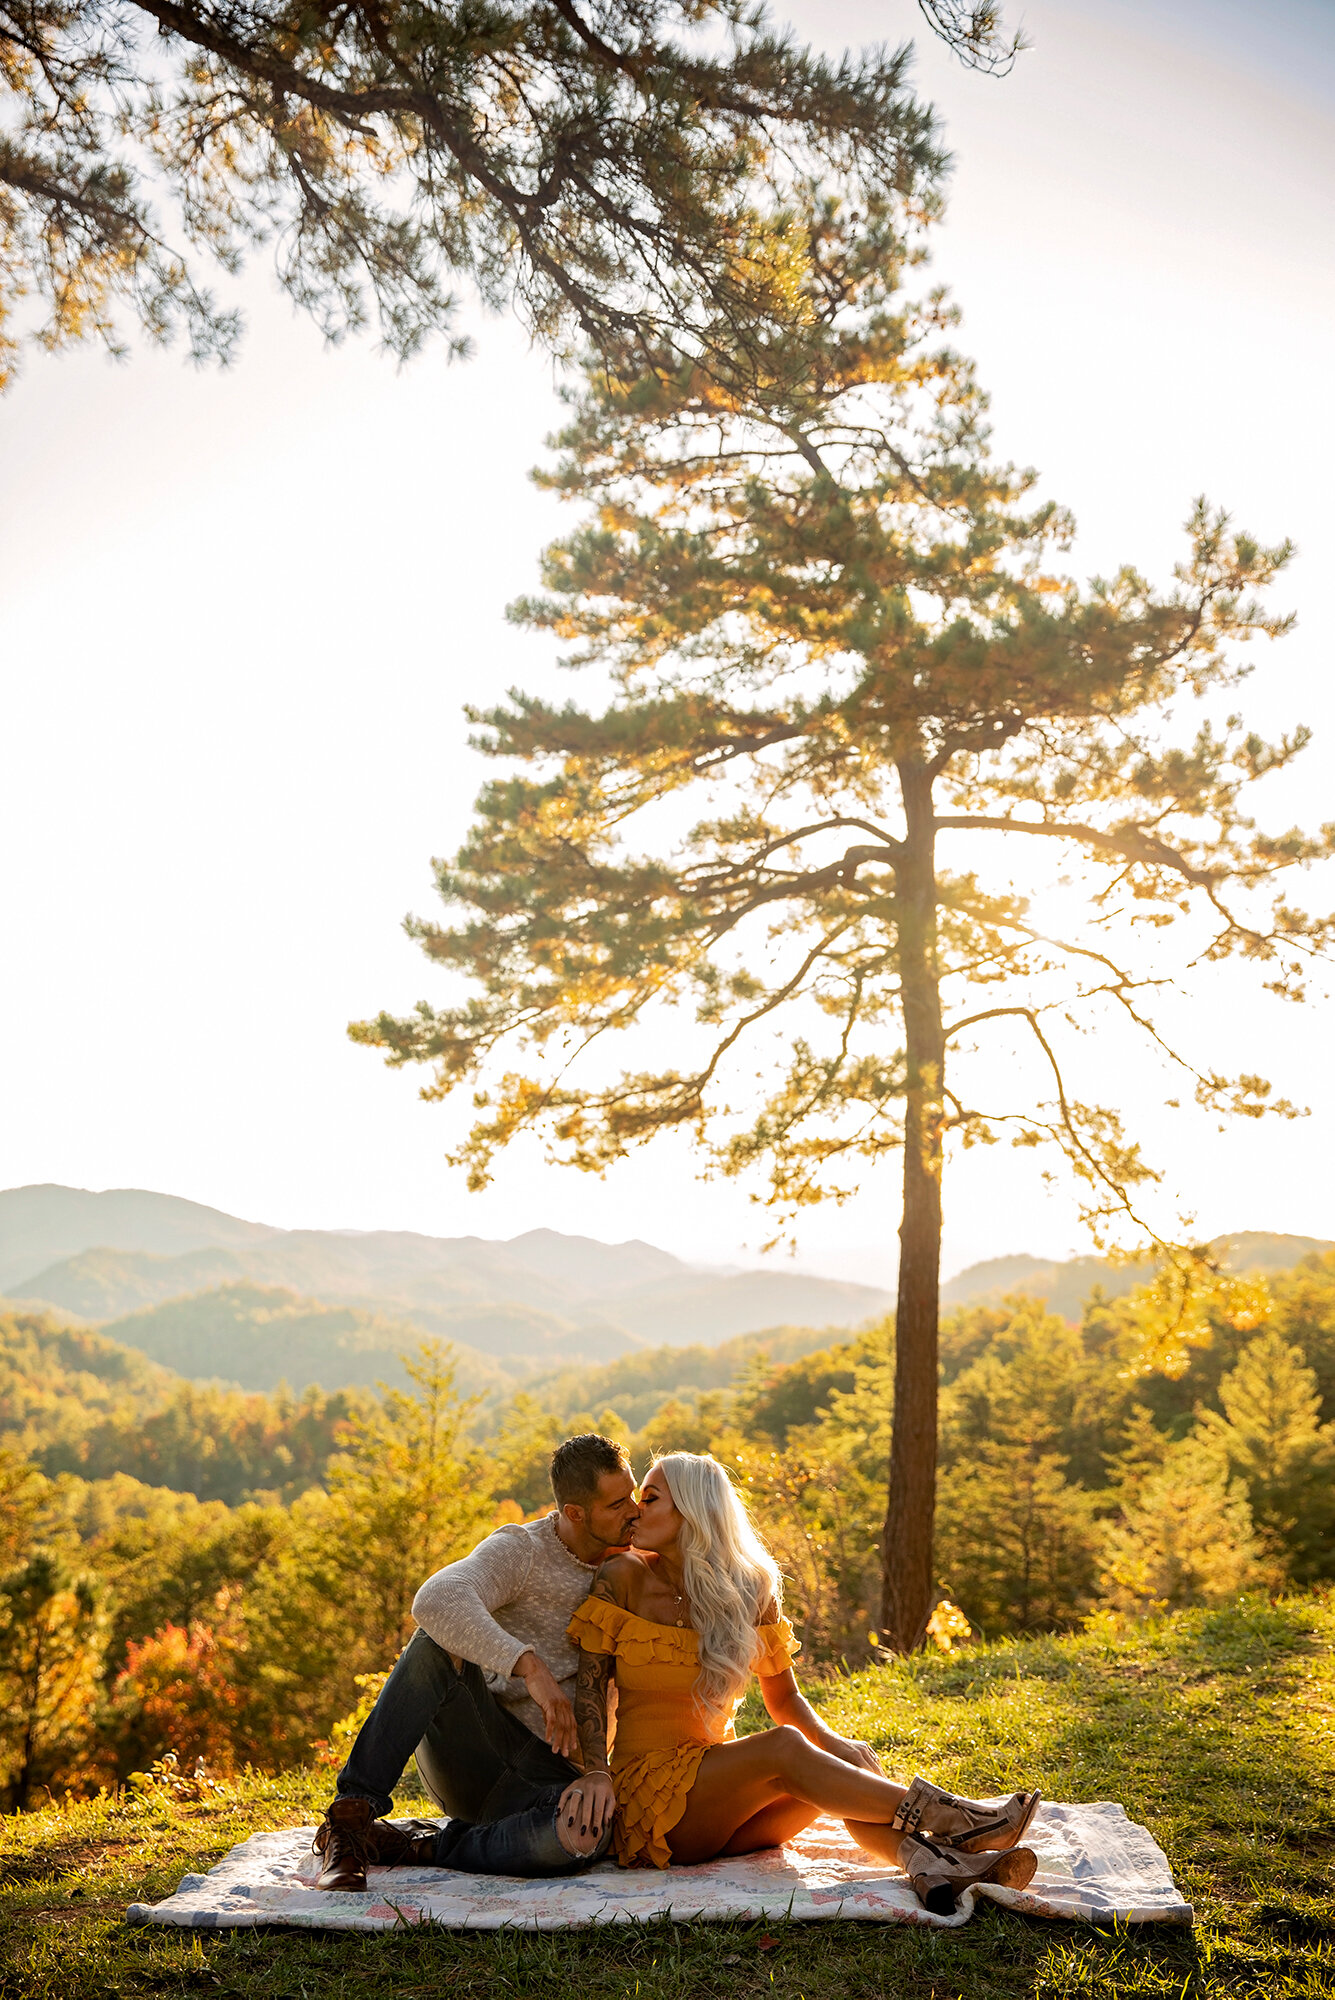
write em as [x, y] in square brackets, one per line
[659, 1524]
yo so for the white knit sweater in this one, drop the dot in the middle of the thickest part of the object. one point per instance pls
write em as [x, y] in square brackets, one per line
[519, 1589]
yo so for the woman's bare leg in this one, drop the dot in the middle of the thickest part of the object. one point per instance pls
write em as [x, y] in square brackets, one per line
[736, 1781]
[875, 1837]
[771, 1826]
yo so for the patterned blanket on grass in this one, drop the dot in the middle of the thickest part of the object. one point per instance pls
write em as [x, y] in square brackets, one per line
[1094, 1865]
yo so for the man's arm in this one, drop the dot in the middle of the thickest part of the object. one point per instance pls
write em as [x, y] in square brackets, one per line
[558, 1717]
[455, 1606]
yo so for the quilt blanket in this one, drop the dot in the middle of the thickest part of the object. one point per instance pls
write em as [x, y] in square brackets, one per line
[1094, 1865]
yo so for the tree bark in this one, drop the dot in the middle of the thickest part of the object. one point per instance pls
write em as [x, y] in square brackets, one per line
[906, 1549]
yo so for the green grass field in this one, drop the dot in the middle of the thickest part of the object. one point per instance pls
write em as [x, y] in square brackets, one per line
[1215, 1729]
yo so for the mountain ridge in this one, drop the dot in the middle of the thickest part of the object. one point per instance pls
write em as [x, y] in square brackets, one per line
[538, 1297]
[36, 1230]
[1066, 1283]
[535, 1302]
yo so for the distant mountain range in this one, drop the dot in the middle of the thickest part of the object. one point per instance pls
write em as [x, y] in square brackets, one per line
[1066, 1285]
[180, 1281]
[43, 1225]
[208, 1295]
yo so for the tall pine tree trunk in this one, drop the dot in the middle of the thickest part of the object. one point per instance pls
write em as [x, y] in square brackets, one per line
[906, 1549]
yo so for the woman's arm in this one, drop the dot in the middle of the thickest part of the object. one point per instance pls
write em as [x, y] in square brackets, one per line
[785, 1702]
[591, 1681]
[589, 1803]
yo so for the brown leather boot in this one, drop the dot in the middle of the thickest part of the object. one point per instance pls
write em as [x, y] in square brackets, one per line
[350, 1841]
[409, 1845]
[343, 1841]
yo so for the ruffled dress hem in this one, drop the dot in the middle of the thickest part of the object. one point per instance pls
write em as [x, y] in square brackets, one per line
[656, 1789]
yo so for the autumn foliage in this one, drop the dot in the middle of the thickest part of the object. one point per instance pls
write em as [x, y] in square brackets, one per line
[178, 1691]
[1087, 1468]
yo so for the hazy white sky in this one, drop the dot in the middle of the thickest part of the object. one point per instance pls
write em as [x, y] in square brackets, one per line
[240, 614]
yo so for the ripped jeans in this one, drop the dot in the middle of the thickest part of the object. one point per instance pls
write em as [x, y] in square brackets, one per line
[498, 1782]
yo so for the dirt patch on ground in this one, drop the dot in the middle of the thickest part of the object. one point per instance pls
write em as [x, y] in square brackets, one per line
[72, 1913]
[18, 1868]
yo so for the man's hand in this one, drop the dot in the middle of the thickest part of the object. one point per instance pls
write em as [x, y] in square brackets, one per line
[557, 1714]
[861, 1754]
[585, 1811]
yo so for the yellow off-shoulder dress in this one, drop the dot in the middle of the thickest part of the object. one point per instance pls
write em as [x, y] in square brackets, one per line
[660, 1733]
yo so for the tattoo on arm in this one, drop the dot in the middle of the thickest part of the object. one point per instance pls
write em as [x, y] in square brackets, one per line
[591, 1681]
[604, 1587]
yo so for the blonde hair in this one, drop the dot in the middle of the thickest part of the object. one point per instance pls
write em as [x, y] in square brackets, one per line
[729, 1574]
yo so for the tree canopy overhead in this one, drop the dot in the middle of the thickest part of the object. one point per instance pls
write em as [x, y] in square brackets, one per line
[618, 168]
[846, 678]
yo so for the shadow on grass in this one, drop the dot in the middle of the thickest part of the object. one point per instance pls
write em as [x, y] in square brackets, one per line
[997, 1957]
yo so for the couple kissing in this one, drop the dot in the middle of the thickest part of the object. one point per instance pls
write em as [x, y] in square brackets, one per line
[503, 1696]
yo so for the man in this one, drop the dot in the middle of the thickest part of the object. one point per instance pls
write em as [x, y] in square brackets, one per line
[483, 1695]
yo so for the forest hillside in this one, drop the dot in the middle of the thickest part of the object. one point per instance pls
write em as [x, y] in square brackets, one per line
[1065, 1284]
[193, 1567]
[213, 1297]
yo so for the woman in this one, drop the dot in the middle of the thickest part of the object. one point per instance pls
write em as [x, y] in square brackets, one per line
[680, 1624]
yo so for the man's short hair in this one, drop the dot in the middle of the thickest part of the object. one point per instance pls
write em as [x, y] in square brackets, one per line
[579, 1464]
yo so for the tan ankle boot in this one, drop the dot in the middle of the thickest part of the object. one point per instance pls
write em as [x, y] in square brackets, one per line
[967, 1824]
[938, 1873]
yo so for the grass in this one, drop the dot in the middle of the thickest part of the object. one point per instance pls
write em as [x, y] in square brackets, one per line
[1215, 1729]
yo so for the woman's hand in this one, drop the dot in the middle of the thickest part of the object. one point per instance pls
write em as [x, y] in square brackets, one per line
[852, 1752]
[786, 1703]
[585, 1811]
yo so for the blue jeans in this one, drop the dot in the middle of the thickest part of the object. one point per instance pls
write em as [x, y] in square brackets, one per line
[497, 1781]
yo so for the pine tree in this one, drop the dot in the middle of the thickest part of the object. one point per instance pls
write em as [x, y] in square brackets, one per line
[406, 1496]
[846, 681]
[606, 168]
[1017, 1540]
[520, 1453]
[25, 1507]
[974, 29]
[1185, 1537]
[820, 1518]
[1269, 1436]
[1303, 1311]
[1017, 1544]
[408, 1491]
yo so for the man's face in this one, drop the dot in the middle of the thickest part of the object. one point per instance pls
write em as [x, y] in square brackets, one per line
[612, 1513]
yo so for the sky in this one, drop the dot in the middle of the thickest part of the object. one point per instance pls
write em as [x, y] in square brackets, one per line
[241, 612]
